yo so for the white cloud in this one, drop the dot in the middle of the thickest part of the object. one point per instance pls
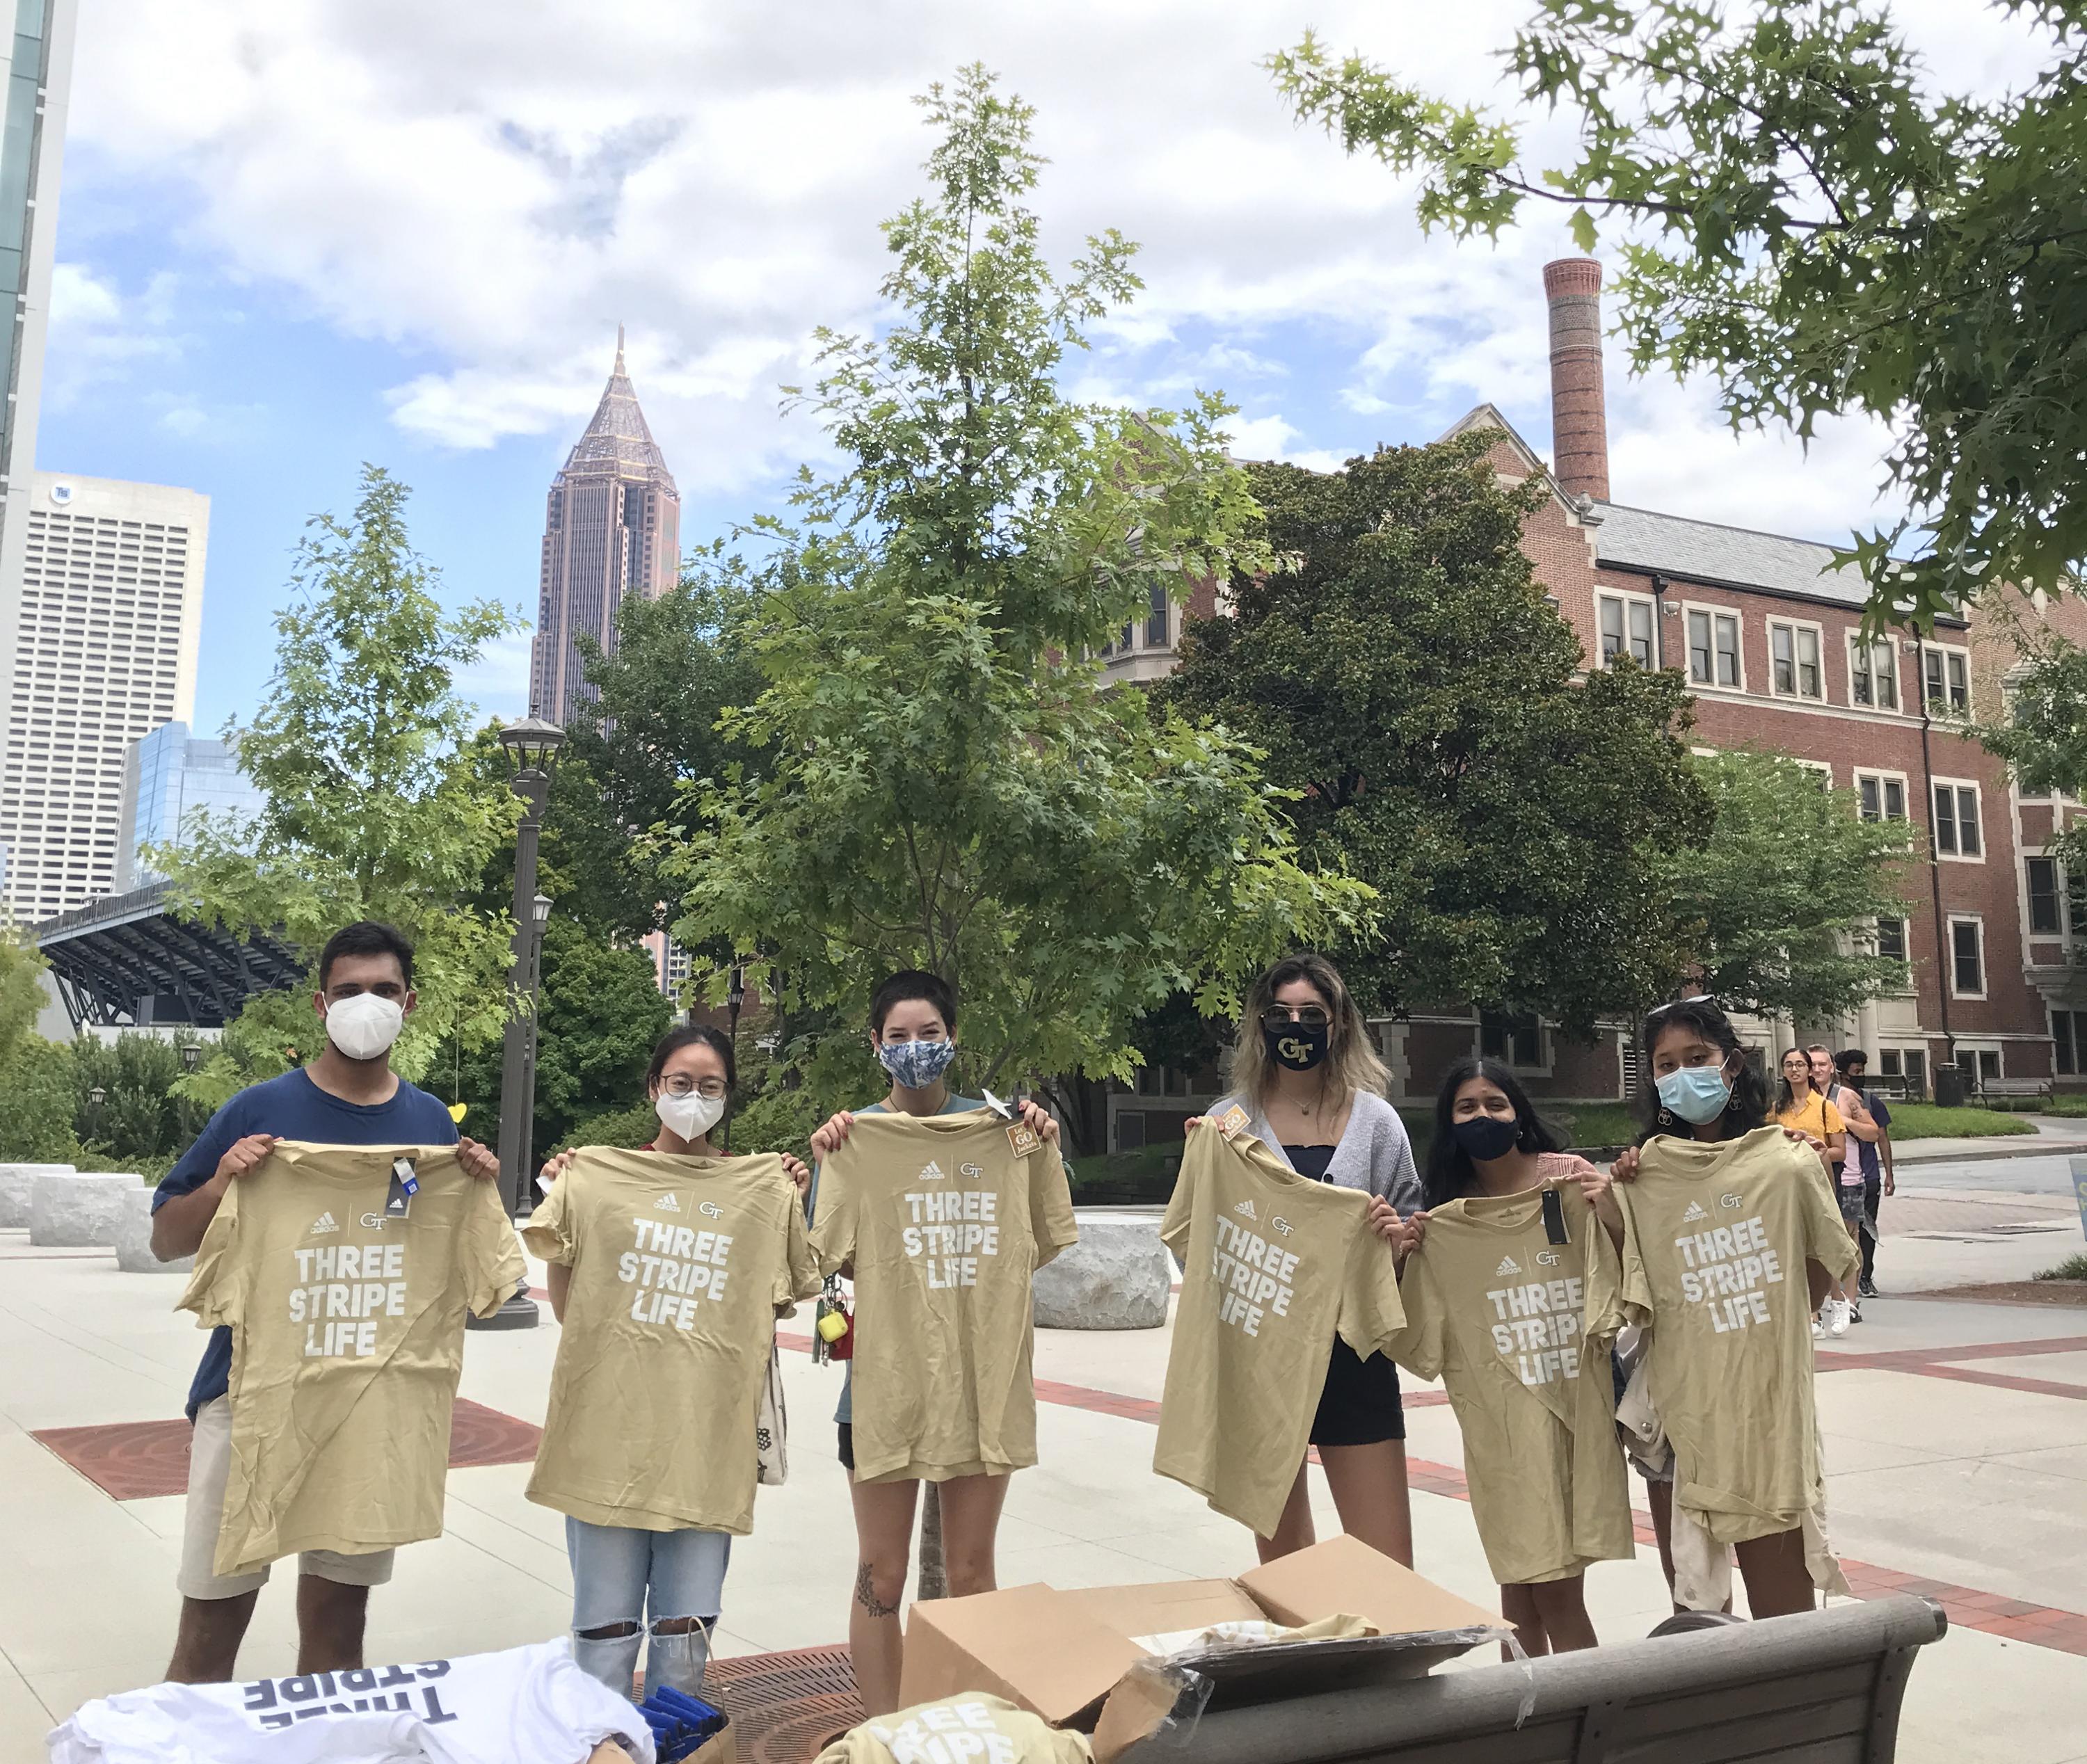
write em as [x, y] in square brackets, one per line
[98, 333]
[494, 187]
[498, 681]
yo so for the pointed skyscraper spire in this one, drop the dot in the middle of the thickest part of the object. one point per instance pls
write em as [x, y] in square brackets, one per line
[618, 368]
[619, 435]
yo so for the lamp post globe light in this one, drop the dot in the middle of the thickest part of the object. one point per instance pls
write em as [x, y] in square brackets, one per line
[531, 746]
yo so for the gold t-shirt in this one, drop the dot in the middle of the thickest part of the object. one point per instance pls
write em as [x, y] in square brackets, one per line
[346, 1340]
[945, 1221]
[1818, 1117]
[1716, 1238]
[1517, 1327]
[1274, 1266]
[974, 1728]
[680, 1267]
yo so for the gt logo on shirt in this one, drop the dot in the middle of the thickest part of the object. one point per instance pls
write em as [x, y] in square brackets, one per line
[674, 1268]
[954, 1733]
[342, 1290]
[950, 1230]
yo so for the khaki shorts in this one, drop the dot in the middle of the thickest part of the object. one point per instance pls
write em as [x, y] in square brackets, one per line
[210, 1462]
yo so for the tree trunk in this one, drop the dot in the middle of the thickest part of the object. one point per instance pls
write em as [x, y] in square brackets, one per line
[934, 1581]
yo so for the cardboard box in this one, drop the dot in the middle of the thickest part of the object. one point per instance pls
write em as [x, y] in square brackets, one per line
[1071, 1657]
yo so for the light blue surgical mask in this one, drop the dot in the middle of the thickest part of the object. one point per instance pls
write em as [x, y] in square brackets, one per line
[915, 1065]
[1697, 1094]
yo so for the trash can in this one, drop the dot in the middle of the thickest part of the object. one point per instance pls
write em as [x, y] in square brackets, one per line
[1949, 1087]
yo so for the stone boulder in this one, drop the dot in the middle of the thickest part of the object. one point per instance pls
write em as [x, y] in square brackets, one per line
[1117, 1276]
[79, 1210]
[134, 1238]
[16, 1183]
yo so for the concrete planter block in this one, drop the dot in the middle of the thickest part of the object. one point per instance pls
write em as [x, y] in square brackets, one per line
[1117, 1276]
[78, 1211]
[16, 1183]
[134, 1238]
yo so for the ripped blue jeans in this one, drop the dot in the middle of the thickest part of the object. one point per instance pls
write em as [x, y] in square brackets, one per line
[627, 1583]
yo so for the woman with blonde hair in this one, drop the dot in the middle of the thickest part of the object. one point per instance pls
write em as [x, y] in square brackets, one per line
[1313, 1090]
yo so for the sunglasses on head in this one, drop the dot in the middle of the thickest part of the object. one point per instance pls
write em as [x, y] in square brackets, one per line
[1675, 1004]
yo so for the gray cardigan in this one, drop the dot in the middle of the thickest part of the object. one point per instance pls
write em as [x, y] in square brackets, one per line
[1374, 1154]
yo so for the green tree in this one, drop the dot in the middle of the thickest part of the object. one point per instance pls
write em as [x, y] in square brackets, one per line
[21, 988]
[1782, 905]
[1812, 218]
[679, 663]
[951, 787]
[1409, 680]
[2044, 737]
[378, 799]
[36, 1103]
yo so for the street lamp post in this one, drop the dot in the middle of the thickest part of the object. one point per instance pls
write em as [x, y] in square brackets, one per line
[532, 747]
[735, 999]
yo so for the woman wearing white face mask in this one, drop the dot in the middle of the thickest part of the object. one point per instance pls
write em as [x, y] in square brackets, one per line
[630, 1581]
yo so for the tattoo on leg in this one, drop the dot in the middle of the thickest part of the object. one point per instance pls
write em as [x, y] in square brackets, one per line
[865, 1596]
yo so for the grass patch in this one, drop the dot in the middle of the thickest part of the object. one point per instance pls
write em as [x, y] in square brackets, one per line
[2070, 1104]
[2072, 1268]
[1926, 1121]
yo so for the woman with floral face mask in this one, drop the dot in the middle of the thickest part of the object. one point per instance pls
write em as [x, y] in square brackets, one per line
[1313, 1090]
[912, 1032]
[630, 1581]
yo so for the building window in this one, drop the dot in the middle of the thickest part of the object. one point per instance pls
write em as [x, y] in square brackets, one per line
[1714, 648]
[1967, 957]
[1626, 622]
[2042, 873]
[1793, 651]
[1948, 681]
[1982, 1066]
[1155, 618]
[1872, 674]
[1957, 833]
[1515, 1041]
[1882, 798]
[1891, 941]
[2068, 1038]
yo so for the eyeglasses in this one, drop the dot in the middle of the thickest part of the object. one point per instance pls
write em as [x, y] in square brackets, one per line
[680, 1084]
[1282, 1016]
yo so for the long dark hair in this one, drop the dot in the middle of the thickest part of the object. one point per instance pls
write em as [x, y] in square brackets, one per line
[689, 1035]
[1449, 1173]
[1748, 1108]
[1784, 1099]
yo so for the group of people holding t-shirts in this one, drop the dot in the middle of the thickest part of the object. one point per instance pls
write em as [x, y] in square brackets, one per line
[1570, 1313]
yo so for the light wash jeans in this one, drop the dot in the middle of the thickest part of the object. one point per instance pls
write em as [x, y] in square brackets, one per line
[625, 1576]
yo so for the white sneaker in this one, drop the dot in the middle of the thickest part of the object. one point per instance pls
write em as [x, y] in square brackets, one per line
[1836, 1316]
[1818, 1330]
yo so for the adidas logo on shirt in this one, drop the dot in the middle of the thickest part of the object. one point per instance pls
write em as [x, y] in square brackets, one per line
[931, 1172]
[666, 1203]
[1508, 1265]
[323, 1225]
[1244, 1209]
[1695, 1212]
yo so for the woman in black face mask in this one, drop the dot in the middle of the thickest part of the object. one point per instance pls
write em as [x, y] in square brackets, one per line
[1313, 1089]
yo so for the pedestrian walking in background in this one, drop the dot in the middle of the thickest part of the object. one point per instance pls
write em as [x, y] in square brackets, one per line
[1879, 1178]
[1802, 1108]
[1860, 1131]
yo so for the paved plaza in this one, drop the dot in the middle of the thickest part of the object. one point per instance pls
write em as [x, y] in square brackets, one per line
[1955, 1437]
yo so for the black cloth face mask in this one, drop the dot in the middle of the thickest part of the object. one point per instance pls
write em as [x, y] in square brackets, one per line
[1486, 1137]
[1298, 1045]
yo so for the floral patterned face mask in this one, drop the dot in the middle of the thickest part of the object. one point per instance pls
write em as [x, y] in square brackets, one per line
[915, 1065]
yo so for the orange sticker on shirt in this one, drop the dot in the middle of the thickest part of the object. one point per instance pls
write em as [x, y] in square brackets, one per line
[1024, 1138]
[1233, 1122]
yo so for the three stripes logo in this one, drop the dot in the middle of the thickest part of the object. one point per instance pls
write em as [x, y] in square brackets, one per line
[1244, 1209]
[1695, 1212]
[934, 1173]
[1508, 1265]
[666, 1203]
[323, 1225]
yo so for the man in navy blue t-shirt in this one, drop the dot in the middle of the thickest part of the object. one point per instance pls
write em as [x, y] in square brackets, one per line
[348, 1096]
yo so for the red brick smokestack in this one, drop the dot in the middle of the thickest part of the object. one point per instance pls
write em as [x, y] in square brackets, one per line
[1579, 418]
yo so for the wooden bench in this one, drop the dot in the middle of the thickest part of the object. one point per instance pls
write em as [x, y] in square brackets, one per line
[1823, 1688]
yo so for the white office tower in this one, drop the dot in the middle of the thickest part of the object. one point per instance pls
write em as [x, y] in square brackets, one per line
[111, 612]
[36, 68]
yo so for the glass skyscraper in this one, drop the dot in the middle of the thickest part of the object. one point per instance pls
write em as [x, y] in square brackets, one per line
[167, 778]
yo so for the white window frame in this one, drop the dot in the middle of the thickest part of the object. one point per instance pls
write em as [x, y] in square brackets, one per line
[1883, 645]
[1882, 778]
[1945, 709]
[1977, 921]
[1796, 665]
[1958, 786]
[1967, 1055]
[1626, 598]
[1825, 769]
[1905, 1051]
[2058, 894]
[1689, 609]
[1904, 921]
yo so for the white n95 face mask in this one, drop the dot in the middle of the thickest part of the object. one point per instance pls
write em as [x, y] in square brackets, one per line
[690, 1117]
[364, 1025]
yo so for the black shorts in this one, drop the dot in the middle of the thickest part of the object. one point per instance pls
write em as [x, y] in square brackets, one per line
[1360, 1404]
[847, 1447]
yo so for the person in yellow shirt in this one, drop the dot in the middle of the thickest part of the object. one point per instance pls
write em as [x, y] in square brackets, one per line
[1802, 1107]
[623, 1573]
[912, 1032]
[1491, 1145]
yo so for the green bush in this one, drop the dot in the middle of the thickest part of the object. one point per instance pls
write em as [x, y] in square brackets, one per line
[2070, 1104]
[1926, 1121]
[2072, 1268]
[36, 1104]
[627, 1129]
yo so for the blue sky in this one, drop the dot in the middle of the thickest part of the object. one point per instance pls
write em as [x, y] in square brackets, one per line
[295, 235]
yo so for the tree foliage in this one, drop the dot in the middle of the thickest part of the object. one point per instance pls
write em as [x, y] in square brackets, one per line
[2044, 738]
[950, 785]
[1806, 217]
[21, 987]
[1781, 906]
[1408, 677]
[377, 801]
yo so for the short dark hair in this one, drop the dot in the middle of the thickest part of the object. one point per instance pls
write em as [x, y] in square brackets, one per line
[367, 937]
[1449, 1173]
[1748, 1108]
[689, 1035]
[1850, 1056]
[913, 983]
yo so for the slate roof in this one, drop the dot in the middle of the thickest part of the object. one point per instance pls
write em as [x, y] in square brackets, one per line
[1731, 556]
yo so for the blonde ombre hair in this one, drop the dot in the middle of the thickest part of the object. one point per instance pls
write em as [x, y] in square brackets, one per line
[1352, 1061]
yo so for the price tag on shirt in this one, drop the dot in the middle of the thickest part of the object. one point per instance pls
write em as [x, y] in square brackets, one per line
[405, 1184]
[1232, 1123]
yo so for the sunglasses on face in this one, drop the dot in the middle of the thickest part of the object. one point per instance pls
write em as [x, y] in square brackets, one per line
[1282, 1017]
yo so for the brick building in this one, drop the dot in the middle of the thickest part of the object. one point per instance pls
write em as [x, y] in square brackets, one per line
[1766, 630]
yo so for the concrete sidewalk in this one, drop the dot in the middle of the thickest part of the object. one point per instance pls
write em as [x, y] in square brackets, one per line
[2056, 1137]
[1956, 1438]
